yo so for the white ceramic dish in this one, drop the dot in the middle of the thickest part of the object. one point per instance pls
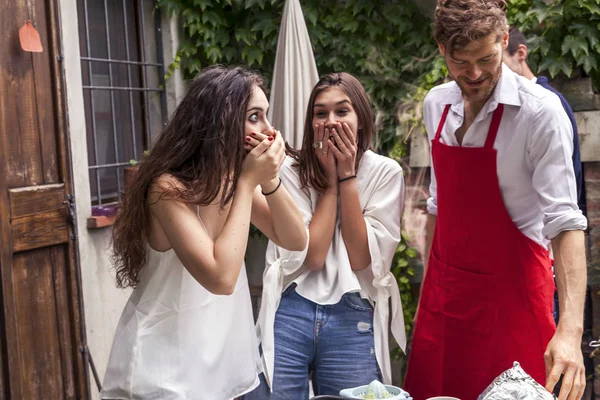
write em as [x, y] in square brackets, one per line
[443, 398]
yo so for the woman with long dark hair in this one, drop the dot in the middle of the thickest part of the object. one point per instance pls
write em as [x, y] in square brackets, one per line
[325, 311]
[187, 330]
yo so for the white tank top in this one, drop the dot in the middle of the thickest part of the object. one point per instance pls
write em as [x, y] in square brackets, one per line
[176, 340]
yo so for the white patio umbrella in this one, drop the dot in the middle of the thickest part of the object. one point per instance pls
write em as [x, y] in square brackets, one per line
[294, 76]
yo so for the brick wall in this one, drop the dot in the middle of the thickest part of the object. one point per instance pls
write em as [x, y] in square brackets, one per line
[592, 188]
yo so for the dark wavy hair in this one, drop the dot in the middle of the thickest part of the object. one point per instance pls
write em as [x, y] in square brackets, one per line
[459, 22]
[311, 172]
[515, 38]
[202, 146]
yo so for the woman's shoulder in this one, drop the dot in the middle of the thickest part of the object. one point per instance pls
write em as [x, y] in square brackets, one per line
[377, 163]
[166, 192]
[164, 183]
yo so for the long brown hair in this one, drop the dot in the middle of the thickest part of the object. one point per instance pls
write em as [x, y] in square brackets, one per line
[202, 146]
[309, 168]
[459, 22]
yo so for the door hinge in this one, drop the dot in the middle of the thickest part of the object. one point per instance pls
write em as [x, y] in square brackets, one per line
[70, 205]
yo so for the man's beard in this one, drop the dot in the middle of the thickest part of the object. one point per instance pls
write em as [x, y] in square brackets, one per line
[482, 93]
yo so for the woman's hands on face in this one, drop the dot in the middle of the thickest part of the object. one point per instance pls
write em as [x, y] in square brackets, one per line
[255, 138]
[322, 144]
[335, 148]
[265, 154]
[343, 146]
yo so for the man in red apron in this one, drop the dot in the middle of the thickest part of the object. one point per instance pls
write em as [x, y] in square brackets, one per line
[502, 188]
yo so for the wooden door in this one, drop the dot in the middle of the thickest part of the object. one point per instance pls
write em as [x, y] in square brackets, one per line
[41, 332]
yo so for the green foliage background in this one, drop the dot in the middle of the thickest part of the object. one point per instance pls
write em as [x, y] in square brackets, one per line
[563, 35]
[387, 45]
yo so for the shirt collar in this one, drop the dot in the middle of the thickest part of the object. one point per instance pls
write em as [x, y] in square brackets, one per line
[506, 92]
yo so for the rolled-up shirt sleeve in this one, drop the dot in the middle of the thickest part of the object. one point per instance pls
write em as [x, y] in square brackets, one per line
[430, 128]
[551, 151]
[432, 200]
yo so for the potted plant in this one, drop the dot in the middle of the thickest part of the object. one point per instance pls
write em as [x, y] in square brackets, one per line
[131, 170]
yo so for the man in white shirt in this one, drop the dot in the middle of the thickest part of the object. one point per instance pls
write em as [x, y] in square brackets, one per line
[515, 57]
[502, 188]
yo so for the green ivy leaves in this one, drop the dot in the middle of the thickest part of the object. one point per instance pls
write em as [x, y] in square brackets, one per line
[385, 44]
[403, 269]
[564, 35]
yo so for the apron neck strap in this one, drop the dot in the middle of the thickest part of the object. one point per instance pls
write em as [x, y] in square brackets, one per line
[442, 122]
[494, 125]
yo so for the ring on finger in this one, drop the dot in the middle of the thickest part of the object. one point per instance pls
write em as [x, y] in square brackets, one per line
[318, 145]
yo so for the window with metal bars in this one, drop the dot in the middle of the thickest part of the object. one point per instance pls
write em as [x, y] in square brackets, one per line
[123, 85]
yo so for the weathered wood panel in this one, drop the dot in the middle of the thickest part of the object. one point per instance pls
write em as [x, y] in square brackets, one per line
[20, 145]
[36, 313]
[77, 379]
[69, 349]
[40, 321]
[33, 199]
[10, 362]
[39, 230]
[44, 96]
[3, 370]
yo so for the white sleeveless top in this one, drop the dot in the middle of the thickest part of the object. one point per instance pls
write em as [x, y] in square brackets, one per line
[176, 340]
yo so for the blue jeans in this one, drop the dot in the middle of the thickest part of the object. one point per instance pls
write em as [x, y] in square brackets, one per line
[331, 344]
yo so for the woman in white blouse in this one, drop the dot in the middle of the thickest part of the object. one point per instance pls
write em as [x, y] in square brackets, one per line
[324, 313]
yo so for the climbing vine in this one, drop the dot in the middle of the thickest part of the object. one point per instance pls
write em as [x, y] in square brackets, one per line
[387, 45]
[563, 35]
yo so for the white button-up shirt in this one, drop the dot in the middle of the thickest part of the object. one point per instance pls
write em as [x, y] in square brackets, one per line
[535, 148]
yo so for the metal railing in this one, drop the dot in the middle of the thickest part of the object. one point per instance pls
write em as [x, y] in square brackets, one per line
[142, 128]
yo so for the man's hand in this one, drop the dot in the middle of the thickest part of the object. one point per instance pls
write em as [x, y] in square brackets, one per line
[564, 357]
[563, 354]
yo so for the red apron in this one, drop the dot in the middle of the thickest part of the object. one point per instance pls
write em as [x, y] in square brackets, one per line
[488, 294]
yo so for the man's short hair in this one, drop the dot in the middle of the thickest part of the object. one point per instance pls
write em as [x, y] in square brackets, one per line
[459, 22]
[515, 38]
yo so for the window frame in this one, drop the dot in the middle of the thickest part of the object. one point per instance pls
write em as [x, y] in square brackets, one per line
[109, 190]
